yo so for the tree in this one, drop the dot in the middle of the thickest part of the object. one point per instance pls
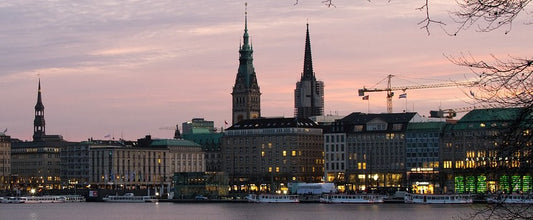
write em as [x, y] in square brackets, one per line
[500, 83]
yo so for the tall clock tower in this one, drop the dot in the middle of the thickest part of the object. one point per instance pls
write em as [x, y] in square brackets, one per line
[246, 94]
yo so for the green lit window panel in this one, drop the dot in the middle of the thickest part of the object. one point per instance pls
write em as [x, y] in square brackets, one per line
[459, 184]
[481, 184]
[526, 183]
[516, 183]
[504, 183]
[470, 184]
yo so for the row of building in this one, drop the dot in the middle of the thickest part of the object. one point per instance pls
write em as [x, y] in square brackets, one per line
[487, 150]
[359, 152]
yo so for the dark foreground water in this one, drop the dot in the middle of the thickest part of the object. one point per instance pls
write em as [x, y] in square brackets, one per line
[145, 211]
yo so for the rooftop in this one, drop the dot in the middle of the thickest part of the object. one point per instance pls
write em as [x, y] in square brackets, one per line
[274, 123]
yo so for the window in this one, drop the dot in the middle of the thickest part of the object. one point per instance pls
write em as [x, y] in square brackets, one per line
[293, 153]
[397, 127]
[447, 164]
[284, 153]
[377, 126]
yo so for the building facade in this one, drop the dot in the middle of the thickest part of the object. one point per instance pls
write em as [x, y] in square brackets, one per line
[5, 162]
[246, 95]
[374, 153]
[128, 167]
[335, 157]
[267, 153]
[309, 93]
[36, 164]
[148, 163]
[198, 126]
[211, 145]
[488, 150]
[205, 134]
[422, 163]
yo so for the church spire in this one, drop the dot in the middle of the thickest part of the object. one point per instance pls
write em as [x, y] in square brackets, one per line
[39, 129]
[309, 93]
[308, 62]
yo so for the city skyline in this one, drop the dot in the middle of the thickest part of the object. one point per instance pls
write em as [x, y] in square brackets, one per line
[135, 68]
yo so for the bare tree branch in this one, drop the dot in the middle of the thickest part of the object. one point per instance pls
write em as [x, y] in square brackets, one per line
[503, 83]
[488, 14]
[427, 21]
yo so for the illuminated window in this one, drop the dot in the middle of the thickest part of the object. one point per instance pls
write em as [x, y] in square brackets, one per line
[262, 153]
[459, 164]
[277, 169]
[270, 169]
[284, 153]
[293, 153]
[447, 164]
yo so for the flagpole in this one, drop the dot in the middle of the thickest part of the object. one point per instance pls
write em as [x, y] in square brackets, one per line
[406, 105]
[368, 106]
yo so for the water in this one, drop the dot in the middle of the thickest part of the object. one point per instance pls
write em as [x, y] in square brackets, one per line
[198, 211]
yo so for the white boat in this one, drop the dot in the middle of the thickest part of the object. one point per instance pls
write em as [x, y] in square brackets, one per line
[354, 199]
[273, 198]
[42, 199]
[12, 200]
[438, 199]
[74, 198]
[511, 199]
[129, 198]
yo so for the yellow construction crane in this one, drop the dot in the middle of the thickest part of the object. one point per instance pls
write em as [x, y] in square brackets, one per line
[390, 89]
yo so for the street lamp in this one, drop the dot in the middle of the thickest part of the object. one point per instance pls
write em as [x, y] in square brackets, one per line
[375, 177]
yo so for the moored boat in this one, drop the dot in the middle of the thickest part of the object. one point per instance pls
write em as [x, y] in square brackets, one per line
[12, 200]
[273, 198]
[511, 199]
[129, 198]
[74, 198]
[353, 198]
[42, 199]
[438, 199]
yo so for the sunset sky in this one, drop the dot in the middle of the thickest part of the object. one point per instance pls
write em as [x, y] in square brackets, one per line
[132, 68]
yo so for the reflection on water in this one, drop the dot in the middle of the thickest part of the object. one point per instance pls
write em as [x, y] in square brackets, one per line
[143, 211]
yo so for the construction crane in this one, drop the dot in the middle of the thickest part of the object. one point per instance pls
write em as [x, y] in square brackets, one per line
[390, 89]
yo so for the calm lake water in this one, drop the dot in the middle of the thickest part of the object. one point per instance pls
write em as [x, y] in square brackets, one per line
[144, 211]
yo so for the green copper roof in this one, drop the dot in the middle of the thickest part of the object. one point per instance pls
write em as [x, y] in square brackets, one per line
[425, 126]
[246, 74]
[493, 118]
[492, 114]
